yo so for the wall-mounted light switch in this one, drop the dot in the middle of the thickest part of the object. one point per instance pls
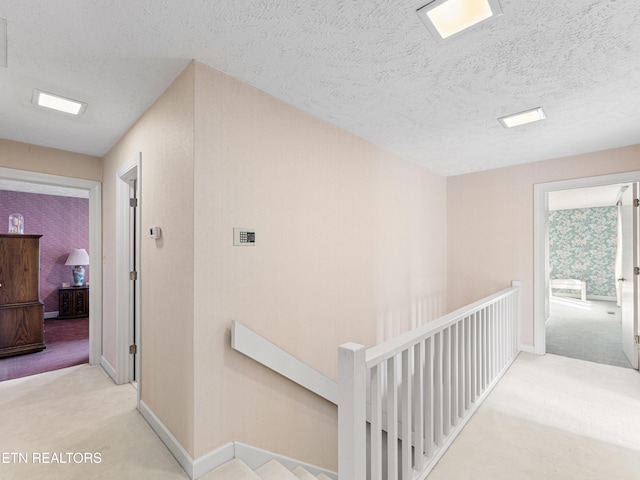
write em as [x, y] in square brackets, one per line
[244, 237]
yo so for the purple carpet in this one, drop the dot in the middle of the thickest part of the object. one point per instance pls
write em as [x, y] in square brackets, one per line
[67, 345]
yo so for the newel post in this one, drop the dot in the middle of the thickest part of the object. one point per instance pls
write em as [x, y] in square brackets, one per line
[352, 412]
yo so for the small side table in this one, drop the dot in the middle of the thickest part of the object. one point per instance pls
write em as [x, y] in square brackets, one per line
[73, 302]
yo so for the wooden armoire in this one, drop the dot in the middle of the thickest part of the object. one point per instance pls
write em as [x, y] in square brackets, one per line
[21, 312]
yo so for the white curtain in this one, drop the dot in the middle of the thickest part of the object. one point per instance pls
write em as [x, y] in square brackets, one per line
[618, 267]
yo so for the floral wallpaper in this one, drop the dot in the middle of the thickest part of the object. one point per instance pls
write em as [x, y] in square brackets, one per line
[582, 245]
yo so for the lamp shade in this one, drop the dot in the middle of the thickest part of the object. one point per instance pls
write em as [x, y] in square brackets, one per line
[78, 256]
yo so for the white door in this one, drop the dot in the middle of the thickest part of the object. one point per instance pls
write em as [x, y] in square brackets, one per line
[629, 281]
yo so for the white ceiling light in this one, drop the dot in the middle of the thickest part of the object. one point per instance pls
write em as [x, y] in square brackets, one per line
[56, 102]
[522, 118]
[444, 18]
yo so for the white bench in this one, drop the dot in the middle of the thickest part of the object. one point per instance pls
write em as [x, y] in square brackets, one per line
[569, 284]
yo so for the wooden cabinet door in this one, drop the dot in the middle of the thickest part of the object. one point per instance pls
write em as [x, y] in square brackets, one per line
[21, 329]
[19, 269]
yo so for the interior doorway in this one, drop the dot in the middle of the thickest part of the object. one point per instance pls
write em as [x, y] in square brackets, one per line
[128, 281]
[95, 243]
[584, 309]
[556, 309]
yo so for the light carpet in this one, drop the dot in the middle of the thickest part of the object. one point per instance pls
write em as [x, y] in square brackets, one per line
[551, 417]
[78, 411]
[588, 330]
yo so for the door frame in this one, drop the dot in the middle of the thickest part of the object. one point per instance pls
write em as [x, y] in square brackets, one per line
[95, 244]
[540, 242]
[127, 311]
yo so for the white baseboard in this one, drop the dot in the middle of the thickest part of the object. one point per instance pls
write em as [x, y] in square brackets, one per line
[180, 454]
[50, 315]
[602, 297]
[605, 298]
[212, 460]
[254, 457]
[526, 349]
[104, 363]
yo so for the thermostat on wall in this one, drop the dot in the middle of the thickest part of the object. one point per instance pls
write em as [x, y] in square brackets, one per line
[244, 237]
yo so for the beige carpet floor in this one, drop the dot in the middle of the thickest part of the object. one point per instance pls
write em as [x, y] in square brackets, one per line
[590, 330]
[78, 411]
[550, 417]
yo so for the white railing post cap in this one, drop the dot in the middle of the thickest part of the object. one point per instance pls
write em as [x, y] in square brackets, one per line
[354, 347]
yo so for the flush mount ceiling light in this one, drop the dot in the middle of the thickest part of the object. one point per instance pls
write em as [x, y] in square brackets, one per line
[522, 118]
[56, 102]
[444, 18]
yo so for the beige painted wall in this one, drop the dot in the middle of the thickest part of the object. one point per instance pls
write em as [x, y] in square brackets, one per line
[350, 247]
[164, 135]
[32, 158]
[490, 224]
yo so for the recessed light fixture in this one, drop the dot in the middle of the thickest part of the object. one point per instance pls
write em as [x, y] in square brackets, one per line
[56, 102]
[522, 118]
[444, 18]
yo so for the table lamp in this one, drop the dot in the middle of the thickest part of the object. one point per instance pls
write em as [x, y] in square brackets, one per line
[78, 257]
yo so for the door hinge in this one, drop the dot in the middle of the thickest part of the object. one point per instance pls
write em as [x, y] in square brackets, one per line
[133, 275]
[636, 270]
[636, 202]
[133, 202]
[133, 349]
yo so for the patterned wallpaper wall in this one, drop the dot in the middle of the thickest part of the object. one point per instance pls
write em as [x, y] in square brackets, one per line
[63, 223]
[582, 245]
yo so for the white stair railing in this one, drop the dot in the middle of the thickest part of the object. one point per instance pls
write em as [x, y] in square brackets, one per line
[422, 386]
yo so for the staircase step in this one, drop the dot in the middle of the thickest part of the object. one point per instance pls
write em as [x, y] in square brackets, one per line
[303, 474]
[273, 470]
[234, 469]
[322, 476]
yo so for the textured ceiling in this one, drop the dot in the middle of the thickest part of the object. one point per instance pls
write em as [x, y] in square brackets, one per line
[368, 67]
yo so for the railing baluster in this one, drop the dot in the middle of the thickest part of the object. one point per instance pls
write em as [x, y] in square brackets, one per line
[429, 397]
[454, 374]
[499, 307]
[462, 369]
[468, 364]
[376, 422]
[406, 414]
[484, 351]
[418, 402]
[486, 361]
[490, 340]
[505, 331]
[486, 365]
[392, 420]
[437, 388]
[474, 357]
[446, 381]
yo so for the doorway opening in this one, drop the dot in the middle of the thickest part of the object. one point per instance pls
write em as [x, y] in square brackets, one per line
[584, 309]
[50, 183]
[578, 308]
[128, 282]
